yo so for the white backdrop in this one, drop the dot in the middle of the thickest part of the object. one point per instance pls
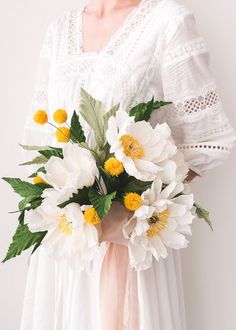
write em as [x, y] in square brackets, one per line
[209, 263]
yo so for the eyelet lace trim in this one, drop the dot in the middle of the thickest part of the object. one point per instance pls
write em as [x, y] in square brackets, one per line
[73, 32]
[193, 49]
[40, 98]
[130, 24]
[204, 146]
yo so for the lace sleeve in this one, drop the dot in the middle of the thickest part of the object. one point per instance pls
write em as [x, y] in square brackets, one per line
[199, 124]
[35, 134]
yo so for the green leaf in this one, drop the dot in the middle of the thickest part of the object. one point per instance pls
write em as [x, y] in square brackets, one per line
[33, 148]
[159, 104]
[109, 114]
[76, 130]
[48, 153]
[203, 214]
[23, 188]
[40, 170]
[43, 185]
[93, 111]
[81, 197]
[25, 203]
[111, 182]
[101, 203]
[143, 111]
[29, 203]
[22, 240]
[134, 185]
[21, 218]
[35, 203]
[36, 161]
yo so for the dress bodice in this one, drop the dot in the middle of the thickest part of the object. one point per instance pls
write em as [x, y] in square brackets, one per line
[157, 52]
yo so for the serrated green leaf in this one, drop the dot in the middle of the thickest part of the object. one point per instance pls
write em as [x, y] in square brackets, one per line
[29, 203]
[48, 153]
[21, 218]
[93, 111]
[203, 214]
[40, 170]
[143, 111]
[43, 185]
[33, 148]
[81, 197]
[23, 188]
[111, 182]
[101, 203]
[134, 185]
[24, 203]
[36, 161]
[76, 130]
[22, 240]
[160, 104]
[110, 113]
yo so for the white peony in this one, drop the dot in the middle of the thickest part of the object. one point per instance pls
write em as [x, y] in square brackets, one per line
[68, 235]
[144, 151]
[160, 222]
[76, 170]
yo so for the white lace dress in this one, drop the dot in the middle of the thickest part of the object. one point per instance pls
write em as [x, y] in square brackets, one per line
[156, 52]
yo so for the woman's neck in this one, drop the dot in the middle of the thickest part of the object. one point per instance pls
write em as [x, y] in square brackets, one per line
[102, 8]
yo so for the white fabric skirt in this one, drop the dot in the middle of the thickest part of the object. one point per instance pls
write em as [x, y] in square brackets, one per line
[57, 298]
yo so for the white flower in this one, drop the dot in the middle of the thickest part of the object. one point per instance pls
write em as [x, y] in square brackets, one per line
[68, 235]
[160, 222]
[144, 151]
[76, 170]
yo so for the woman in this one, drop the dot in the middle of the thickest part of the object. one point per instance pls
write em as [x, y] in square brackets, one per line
[124, 51]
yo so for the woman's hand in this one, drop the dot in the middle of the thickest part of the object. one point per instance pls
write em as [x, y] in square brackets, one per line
[111, 228]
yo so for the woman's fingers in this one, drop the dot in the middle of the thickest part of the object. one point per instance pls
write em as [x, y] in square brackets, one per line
[112, 224]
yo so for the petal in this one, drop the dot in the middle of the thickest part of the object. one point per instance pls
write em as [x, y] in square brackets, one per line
[157, 248]
[185, 200]
[173, 239]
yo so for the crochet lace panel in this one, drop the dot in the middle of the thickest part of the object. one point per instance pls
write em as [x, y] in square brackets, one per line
[192, 107]
[196, 104]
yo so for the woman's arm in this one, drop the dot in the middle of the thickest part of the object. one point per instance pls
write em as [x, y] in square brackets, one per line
[199, 125]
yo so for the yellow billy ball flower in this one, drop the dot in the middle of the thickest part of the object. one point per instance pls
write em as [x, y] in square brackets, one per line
[60, 116]
[91, 217]
[113, 166]
[132, 201]
[41, 117]
[38, 179]
[63, 134]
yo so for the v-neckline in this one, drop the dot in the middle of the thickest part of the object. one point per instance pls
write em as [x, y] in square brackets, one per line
[114, 35]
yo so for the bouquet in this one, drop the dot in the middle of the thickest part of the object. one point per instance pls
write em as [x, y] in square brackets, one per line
[76, 182]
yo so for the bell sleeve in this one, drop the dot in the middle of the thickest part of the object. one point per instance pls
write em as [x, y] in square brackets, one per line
[35, 134]
[199, 125]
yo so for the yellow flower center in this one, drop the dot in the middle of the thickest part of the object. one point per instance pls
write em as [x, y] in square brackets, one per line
[38, 179]
[113, 166]
[91, 217]
[157, 222]
[131, 147]
[41, 117]
[60, 116]
[62, 134]
[132, 201]
[65, 225]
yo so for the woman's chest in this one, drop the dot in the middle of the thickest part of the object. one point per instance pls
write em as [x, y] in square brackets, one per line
[125, 69]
